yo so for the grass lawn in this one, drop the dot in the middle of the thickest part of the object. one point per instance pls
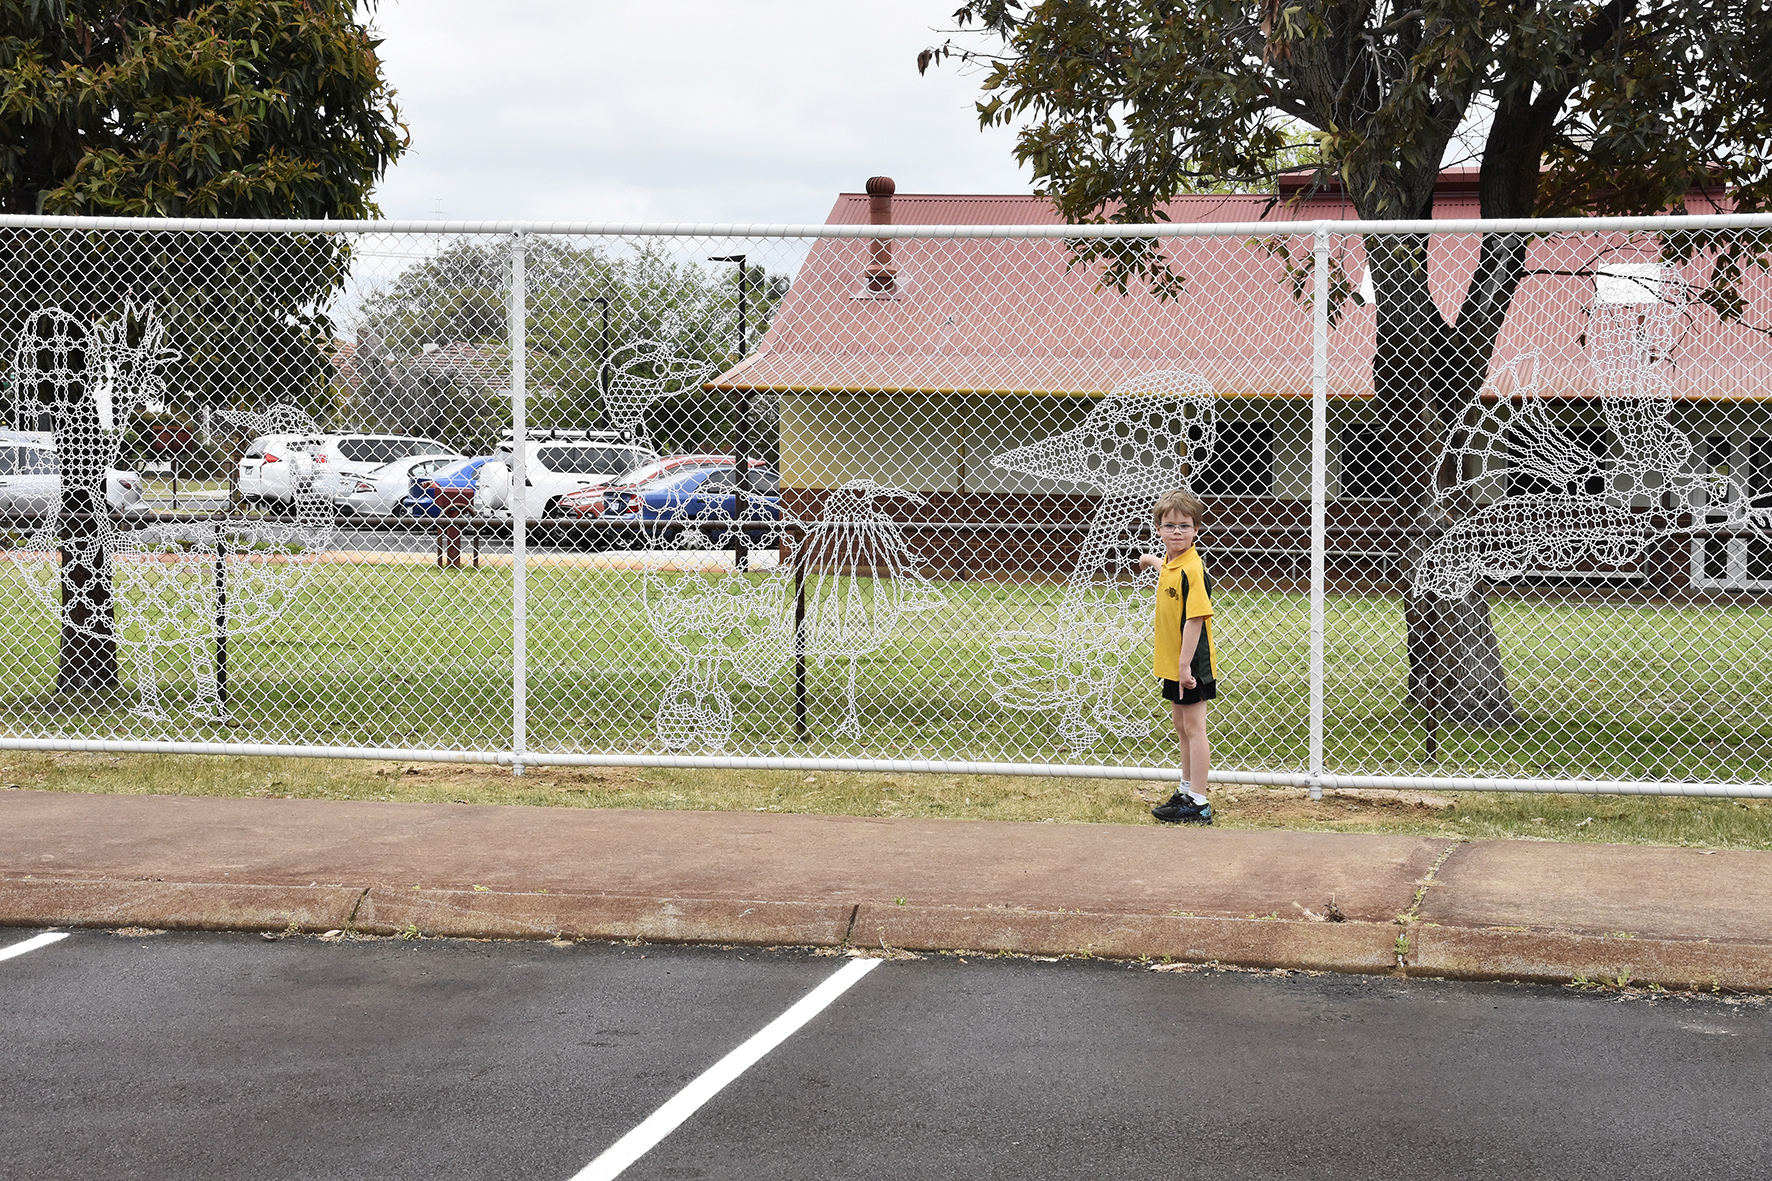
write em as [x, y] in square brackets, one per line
[1706, 823]
[387, 654]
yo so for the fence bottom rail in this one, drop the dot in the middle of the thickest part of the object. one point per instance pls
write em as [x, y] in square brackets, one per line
[505, 758]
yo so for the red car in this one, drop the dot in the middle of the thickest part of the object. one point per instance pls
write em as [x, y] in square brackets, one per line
[594, 502]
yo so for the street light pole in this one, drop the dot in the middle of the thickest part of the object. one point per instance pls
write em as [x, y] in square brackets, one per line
[742, 408]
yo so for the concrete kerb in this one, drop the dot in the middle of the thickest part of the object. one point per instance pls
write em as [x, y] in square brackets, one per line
[1432, 950]
[1495, 910]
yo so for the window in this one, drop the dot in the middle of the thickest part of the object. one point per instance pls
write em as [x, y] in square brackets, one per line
[587, 461]
[34, 461]
[1368, 462]
[1759, 471]
[718, 482]
[1592, 440]
[1242, 461]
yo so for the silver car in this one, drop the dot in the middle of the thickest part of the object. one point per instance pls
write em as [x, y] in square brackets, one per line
[378, 493]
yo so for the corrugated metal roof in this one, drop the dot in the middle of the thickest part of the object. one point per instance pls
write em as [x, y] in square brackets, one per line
[1009, 316]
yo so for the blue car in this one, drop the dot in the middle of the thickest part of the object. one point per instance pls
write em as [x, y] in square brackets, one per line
[704, 498]
[450, 491]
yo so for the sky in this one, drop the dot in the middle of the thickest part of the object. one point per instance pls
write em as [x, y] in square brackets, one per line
[676, 110]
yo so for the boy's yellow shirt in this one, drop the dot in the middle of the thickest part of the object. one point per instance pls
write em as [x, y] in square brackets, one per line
[1184, 592]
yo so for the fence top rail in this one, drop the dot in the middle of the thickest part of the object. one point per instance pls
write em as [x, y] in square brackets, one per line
[1256, 229]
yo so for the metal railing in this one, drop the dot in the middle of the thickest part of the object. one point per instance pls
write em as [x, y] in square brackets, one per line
[934, 588]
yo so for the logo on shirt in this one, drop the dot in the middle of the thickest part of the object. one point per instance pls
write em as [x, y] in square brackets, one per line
[1172, 592]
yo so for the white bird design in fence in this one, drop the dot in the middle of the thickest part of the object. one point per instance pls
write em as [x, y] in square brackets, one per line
[861, 580]
[1153, 433]
[716, 621]
[1586, 518]
[649, 369]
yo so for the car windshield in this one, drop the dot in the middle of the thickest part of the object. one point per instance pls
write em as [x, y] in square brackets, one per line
[762, 481]
[466, 467]
[645, 472]
[678, 477]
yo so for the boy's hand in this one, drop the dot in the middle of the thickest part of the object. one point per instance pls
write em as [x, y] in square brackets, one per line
[1188, 681]
[1149, 561]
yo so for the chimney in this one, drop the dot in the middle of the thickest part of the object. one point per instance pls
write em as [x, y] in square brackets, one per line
[882, 275]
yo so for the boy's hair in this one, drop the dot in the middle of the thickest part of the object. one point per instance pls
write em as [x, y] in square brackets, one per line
[1177, 501]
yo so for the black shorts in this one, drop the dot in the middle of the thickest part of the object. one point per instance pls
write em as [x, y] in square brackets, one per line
[1202, 691]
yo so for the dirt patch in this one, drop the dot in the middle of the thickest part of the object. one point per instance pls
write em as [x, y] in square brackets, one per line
[1292, 806]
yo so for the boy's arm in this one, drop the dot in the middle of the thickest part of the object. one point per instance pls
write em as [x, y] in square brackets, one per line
[1190, 639]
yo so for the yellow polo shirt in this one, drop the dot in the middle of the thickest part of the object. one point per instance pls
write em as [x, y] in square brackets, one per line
[1184, 593]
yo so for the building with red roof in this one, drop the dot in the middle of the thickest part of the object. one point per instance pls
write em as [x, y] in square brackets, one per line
[912, 362]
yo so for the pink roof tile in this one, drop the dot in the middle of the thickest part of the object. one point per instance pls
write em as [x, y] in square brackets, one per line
[1011, 316]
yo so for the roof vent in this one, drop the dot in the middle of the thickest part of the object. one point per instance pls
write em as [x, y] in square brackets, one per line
[882, 275]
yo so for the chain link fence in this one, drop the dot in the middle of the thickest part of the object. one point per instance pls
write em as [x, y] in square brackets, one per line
[1488, 505]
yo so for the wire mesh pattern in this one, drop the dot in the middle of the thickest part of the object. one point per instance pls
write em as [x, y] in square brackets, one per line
[823, 499]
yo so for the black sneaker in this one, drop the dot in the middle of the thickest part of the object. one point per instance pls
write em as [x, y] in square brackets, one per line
[1181, 809]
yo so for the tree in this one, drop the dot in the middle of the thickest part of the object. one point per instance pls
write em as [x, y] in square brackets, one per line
[228, 108]
[1618, 107]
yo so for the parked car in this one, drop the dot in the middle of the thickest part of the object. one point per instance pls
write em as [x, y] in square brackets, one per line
[587, 503]
[447, 492]
[360, 454]
[557, 463]
[31, 476]
[704, 498]
[379, 492]
[274, 466]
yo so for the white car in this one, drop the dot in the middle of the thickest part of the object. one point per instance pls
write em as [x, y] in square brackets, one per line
[361, 453]
[273, 467]
[31, 476]
[378, 493]
[554, 467]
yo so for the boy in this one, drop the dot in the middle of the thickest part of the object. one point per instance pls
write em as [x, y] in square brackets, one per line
[1186, 663]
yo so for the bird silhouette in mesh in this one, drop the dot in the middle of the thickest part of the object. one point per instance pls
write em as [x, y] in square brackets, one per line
[861, 580]
[278, 418]
[1583, 516]
[162, 593]
[649, 369]
[1151, 434]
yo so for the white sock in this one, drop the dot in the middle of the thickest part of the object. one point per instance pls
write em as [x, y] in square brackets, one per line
[1187, 789]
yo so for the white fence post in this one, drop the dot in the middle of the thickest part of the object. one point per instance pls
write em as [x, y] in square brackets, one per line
[519, 510]
[1319, 494]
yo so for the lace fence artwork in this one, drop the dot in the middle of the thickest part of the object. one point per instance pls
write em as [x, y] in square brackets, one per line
[1540, 561]
[1149, 435]
[849, 580]
[1601, 510]
[180, 585]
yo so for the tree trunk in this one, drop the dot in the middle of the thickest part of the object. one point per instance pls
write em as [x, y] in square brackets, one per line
[88, 652]
[1424, 372]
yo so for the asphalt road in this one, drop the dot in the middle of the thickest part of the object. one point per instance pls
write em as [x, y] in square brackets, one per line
[195, 1056]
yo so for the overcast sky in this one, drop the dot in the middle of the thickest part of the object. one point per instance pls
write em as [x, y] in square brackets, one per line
[676, 110]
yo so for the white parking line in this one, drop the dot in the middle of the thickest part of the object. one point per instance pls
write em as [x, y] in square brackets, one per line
[684, 1103]
[32, 944]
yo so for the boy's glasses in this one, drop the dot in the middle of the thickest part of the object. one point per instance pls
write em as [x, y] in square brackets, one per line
[1168, 528]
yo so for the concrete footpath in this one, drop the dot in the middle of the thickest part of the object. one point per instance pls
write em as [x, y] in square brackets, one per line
[1506, 910]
